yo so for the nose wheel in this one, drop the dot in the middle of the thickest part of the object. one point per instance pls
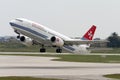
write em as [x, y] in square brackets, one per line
[18, 37]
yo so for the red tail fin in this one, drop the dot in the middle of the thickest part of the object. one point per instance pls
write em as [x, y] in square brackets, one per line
[90, 33]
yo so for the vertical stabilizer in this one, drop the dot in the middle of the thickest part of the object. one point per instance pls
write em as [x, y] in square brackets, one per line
[90, 33]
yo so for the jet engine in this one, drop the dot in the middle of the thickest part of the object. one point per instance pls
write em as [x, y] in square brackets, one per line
[26, 41]
[57, 41]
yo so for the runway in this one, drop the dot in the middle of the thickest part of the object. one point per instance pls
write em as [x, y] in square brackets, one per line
[44, 67]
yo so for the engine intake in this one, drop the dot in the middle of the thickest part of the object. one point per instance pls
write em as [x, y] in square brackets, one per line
[57, 41]
[26, 41]
[53, 39]
[22, 38]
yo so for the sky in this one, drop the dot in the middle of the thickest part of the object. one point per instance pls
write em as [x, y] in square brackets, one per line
[69, 17]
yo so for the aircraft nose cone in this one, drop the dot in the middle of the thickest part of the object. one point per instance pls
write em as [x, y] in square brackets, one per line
[11, 22]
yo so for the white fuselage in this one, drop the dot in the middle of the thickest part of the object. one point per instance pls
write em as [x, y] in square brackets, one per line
[40, 33]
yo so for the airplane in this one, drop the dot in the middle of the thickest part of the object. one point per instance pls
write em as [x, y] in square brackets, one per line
[35, 33]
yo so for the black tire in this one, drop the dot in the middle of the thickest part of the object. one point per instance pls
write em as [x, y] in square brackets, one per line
[58, 50]
[18, 37]
[42, 50]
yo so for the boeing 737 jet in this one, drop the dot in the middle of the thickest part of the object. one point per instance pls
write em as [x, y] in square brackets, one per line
[30, 32]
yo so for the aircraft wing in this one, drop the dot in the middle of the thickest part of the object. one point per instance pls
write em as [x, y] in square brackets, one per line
[78, 42]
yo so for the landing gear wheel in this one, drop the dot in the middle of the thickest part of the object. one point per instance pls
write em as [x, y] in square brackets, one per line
[42, 50]
[18, 37]
[59, 50]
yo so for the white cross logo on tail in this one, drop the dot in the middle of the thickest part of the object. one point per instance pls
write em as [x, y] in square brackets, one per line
[90, 34]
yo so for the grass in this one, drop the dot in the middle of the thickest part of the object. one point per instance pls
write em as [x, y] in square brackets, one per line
[78, 58]
[25, 78]
[115, 76]
[90, 58]
[113, 50]
[17, 46]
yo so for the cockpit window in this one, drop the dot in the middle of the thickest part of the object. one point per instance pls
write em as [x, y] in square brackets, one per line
[19, 20]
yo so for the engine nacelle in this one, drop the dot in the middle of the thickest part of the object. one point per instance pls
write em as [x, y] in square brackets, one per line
[26, 41]
[57, 41]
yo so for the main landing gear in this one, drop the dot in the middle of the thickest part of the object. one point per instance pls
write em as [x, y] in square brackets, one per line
[59, 50]
[42, 49]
